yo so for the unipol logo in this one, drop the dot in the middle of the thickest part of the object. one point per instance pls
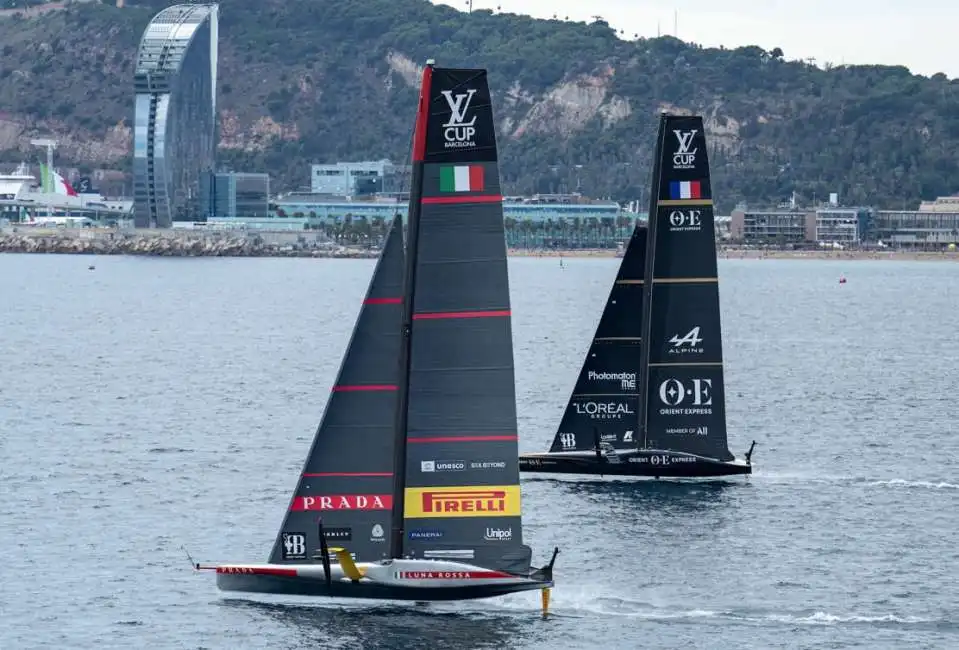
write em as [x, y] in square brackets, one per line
[685, 156]
[344, 502]
[603, 410]
[294, 546]
[692, 398]
[567, 440]
[457, 132]
[498, 534]
[685, 221]
[687, 344]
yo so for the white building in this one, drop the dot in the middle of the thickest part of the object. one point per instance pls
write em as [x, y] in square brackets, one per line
[352, 178]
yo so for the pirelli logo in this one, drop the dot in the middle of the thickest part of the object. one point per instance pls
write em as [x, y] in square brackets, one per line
[468, 501]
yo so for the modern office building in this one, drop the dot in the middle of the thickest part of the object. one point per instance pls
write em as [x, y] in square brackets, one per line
[233, 195]
[771, 227]
[836, 225]
[350, 179]
[921, 229]
[174, 135]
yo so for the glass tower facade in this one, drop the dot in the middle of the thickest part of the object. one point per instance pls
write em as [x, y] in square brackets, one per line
[175, 134]
[234, 194]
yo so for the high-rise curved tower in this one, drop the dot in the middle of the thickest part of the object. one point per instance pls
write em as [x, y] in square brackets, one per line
[174, 136]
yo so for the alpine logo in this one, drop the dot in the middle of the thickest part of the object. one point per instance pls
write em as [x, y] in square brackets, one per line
[567, 440]
[457, 132]
[683, 158]
[603, 410]
[685, 220]
[690, 343]
[692, 398]
[498, 534]
[294, 546]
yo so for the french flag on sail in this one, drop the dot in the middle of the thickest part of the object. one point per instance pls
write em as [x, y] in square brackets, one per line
[685, 190]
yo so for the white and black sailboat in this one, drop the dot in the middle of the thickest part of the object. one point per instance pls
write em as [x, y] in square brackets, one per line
[650, 398]
[411, 488]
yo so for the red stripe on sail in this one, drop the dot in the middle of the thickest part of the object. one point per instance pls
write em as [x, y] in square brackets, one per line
[462, 314]
[346, 474]
[347, 389]
[422, 116]
[382, 301]
[463, 439]
[486, 198]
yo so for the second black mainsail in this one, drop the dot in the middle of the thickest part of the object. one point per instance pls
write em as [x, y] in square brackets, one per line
[683, 392]
[677, 427]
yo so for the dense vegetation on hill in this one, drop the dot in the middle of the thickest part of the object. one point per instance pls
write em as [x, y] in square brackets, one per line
[322, 80]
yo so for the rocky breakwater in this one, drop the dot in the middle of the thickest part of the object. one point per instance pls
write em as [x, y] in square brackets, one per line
[170, 244]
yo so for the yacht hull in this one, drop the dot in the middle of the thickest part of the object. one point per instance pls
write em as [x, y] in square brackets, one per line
[417, 580]
[645, 462]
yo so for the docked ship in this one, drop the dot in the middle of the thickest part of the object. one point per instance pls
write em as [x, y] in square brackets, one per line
[52, 200]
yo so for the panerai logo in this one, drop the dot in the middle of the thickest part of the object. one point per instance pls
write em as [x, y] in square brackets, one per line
[457, 132]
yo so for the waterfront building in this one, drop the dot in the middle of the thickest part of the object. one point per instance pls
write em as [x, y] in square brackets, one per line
[919, 229]
[772, 227]
[235, 195]
[534, 222]
[836, 225]
[351, 179]
[941, 204]
[174, 133]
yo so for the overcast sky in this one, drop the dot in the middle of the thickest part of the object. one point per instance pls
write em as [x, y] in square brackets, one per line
[919, 34]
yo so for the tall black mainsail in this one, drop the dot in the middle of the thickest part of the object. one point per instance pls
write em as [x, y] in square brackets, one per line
[421, 499]
[683, 391]
[604, 404]
[679, 426]
[347, 480]
[460, 471]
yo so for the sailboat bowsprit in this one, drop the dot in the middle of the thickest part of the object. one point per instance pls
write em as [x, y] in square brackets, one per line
[411, 487]
[650, 399]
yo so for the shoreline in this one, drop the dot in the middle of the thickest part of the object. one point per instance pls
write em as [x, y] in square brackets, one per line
[185, 243]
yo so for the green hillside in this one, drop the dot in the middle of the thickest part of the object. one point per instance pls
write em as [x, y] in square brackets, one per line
[320, 80]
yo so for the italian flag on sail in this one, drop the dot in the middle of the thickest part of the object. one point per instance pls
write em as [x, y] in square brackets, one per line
[462, 178]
